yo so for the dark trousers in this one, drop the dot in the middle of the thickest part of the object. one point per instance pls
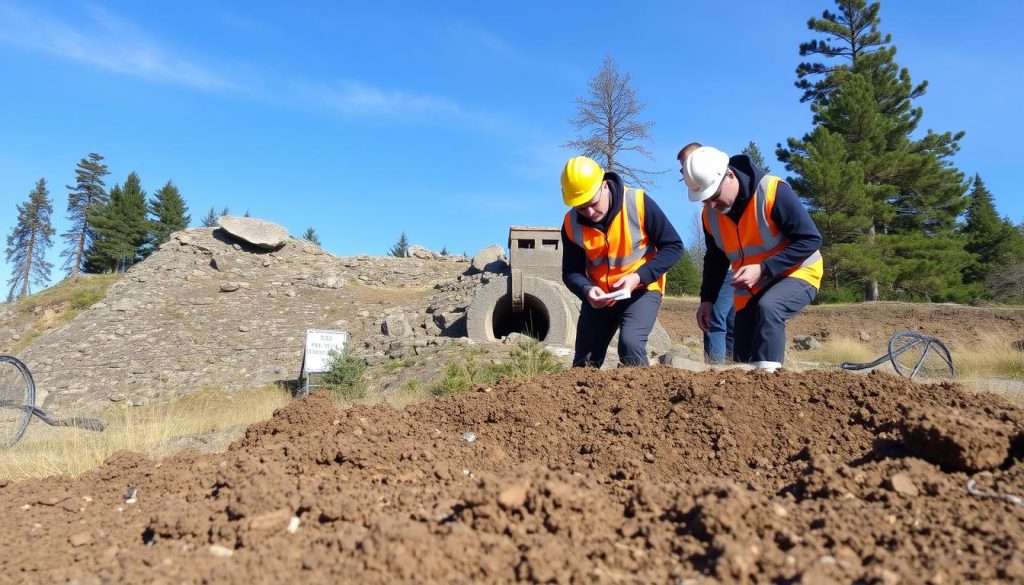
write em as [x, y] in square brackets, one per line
[633, 319]
[761, 325]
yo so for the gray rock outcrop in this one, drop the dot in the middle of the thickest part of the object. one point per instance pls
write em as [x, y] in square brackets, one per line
[259, 233]
[491, 259]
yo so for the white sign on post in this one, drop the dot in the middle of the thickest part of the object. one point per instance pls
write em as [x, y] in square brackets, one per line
[319, 344]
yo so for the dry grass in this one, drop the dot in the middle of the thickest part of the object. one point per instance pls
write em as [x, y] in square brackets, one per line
[58, 305]
[1011, 390]
[836, 351]
[992, 356]
[991, 365]
[149, 429]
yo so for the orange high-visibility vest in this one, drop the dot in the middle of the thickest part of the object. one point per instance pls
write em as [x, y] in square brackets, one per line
[623, 250]
[756, 238]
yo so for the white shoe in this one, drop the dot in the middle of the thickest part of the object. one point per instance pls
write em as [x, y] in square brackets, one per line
[769, 367]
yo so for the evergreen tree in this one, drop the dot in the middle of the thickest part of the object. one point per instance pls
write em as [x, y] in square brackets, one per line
[121, 228]
[444, 250]
[170, 214]
[861, 172]
[311, 236]
[986, 232]
[28, 242]
[210, 219]
[684, 277]
[755, 155]
[225, 211]
[609, 125]
[401, 247]
[88, 192]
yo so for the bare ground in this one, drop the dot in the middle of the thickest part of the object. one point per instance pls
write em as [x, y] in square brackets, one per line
[639, 475]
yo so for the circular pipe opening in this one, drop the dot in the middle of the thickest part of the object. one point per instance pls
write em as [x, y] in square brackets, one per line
[534, 320]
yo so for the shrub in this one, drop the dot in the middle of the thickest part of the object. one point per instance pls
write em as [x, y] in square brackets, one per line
[345, 375]
[85, 298]
[527, 360]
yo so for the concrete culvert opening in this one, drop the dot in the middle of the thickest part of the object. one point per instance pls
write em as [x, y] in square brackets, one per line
[533, 320]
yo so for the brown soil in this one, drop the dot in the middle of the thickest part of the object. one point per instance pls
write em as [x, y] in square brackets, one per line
[959, 326]
[649, 475]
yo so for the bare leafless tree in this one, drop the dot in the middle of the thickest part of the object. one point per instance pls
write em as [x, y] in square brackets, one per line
[697, 245]
[607, 124]
[1006, 281]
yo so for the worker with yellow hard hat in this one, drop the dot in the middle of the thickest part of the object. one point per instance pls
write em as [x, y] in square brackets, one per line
[617, 245]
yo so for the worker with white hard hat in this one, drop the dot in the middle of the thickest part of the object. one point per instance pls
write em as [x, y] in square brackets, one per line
[755, 223]
[617, 245]
[719, 338]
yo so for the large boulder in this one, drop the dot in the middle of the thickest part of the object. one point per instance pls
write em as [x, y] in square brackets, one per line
[257, 232]
[422, 253]
[491, 259]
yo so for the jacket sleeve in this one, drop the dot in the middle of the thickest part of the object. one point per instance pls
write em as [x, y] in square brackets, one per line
[792, 218]
[574, 267]
[664, 237]
[716, 266]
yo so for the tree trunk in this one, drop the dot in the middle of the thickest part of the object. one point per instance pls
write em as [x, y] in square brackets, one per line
[871, 286]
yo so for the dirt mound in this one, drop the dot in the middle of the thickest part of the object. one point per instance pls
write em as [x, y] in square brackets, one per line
[650, 475]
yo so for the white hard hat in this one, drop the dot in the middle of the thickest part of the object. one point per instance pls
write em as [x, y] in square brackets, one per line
[703, 171]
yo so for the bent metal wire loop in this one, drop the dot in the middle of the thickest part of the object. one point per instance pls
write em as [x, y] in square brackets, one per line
[909, 340]
[17, 390]
[19, 396]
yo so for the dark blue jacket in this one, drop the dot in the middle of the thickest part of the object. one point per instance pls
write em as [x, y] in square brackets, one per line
[788, 213]
[659, 231]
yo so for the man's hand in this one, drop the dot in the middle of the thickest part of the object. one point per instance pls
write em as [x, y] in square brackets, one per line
[704, 316]
[747, 276]
[628, 282]
[592, 297]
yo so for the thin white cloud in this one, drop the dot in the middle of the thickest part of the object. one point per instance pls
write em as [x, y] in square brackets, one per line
[360, 100]
[108, 42]
[477, 40]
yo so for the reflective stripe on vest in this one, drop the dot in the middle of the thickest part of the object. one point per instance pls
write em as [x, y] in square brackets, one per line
[756, 238]
[623, 250]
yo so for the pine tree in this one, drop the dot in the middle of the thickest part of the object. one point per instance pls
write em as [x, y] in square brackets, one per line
[170, 214]
[225, 211]
[401, 247]
[860, 171]
[609, 125]
[990, 238]
[210, 219]
[684, 277]
[87, 193]
[444, 250]
[28, 242]
[121, 228]
[311, 236]
[755, 155]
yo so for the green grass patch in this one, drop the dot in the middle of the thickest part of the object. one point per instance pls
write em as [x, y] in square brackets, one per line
[394, 365]
[76, 293]
[528, 359]
[345, 375]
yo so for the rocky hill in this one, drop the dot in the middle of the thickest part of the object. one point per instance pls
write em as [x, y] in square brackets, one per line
[208, 309]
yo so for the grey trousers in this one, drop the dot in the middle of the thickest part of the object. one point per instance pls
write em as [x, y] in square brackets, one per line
[633, 319]
[761, 325]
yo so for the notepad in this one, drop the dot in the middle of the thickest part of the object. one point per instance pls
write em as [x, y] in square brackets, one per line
[616, 295]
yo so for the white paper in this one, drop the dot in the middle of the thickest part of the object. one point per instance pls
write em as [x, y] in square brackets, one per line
[617, 295]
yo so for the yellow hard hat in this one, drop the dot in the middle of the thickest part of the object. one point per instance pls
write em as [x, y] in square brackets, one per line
[581, 178]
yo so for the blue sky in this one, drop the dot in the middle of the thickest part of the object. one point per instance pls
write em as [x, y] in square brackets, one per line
[444, 119]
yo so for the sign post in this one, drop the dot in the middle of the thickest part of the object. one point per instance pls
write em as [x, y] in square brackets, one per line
[316, 358]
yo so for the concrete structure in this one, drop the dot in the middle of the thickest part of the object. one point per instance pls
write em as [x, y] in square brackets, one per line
[533, 300]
